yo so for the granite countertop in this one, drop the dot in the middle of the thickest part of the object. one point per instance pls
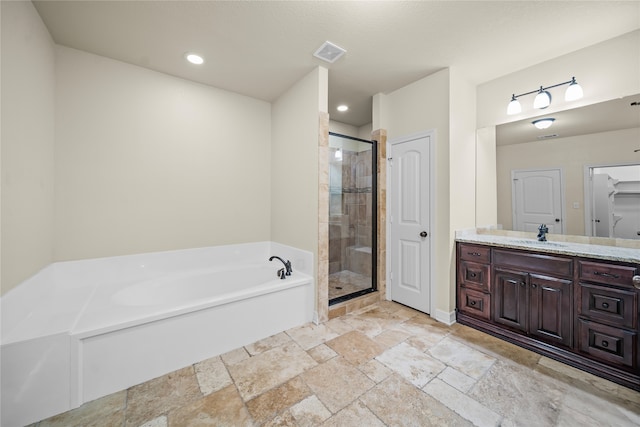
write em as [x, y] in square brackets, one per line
[607, 249]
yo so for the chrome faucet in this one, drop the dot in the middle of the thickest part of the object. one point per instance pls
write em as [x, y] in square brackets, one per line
[542, 235]
[286, 271]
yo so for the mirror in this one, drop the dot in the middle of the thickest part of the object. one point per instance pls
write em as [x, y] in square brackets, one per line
[579, 140]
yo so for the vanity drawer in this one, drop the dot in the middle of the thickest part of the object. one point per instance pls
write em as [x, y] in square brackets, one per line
[618, 307]
[475, 303]
[475, 253]
[606, 343]
[534, 262]
[473, 275]
[620, 275]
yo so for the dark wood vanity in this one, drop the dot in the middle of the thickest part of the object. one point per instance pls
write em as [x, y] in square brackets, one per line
[579, 310]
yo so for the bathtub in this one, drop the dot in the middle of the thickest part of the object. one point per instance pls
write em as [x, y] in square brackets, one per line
[80, 330]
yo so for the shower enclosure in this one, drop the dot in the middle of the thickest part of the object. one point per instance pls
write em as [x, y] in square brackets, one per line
[352, 217]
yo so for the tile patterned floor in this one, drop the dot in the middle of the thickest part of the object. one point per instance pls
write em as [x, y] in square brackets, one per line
[346, 282]
[385, 365]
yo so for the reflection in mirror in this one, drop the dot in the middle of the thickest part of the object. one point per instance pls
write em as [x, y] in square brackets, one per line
[581, 139]
[615, 201]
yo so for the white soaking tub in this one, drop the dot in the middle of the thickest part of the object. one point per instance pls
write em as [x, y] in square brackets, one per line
[80, 330]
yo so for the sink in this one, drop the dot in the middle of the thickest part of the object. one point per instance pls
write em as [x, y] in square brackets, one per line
[539, 243]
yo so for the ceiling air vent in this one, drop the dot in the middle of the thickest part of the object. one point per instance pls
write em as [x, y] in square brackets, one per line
[552, 135]
[329, 52]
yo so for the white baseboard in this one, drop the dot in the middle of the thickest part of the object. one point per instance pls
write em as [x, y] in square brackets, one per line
[446, 317]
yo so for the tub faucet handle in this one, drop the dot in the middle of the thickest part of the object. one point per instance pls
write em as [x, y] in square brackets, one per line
[282, 274]
[287, 266]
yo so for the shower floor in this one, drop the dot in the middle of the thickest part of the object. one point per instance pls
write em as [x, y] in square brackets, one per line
[346, 282]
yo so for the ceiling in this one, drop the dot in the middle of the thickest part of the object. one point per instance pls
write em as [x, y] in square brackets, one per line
[261, 48]
[606, 116]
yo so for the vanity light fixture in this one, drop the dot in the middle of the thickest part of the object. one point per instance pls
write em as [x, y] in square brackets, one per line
[338, 155]
[543, 123]
[342, 108]
[574, 91]
[543, 97]
[194, 58]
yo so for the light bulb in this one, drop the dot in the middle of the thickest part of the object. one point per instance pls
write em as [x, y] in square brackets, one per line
[542, 100]
[514, 106]
[194, 58]
[574, 91]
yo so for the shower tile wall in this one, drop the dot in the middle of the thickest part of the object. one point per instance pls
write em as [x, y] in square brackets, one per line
[350, 221]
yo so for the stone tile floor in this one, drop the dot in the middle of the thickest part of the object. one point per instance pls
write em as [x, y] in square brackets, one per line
[346, 282]
[385, 365]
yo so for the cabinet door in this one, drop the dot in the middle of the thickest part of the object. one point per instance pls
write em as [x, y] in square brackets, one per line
[551, 309]
[510, 301]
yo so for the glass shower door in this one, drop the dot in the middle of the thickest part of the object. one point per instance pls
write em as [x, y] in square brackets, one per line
[352, 217]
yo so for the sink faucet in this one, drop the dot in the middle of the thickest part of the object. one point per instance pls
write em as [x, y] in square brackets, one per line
[287, 267]
[543, 230]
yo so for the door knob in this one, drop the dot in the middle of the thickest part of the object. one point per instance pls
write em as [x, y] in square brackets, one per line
[557, 219]
[424, 234]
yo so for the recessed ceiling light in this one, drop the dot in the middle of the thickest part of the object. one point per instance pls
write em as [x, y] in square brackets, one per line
[194, 58]
[342, 108]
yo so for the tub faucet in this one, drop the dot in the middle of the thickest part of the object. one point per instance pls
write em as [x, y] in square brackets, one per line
[542, 235]
[287, 266]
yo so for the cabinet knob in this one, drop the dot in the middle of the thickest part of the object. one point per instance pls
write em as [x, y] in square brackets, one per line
[605, 344]
[636, 282]
[472, 303]
[605, 305]
[533, 285]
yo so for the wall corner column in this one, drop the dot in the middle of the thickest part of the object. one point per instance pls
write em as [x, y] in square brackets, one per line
[322, 287]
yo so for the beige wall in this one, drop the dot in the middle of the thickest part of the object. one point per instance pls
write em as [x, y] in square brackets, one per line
[294, 162]
[343, 128]
[148, 162]
[28, 113]
[462, 170]
[445, 102]
[605, 71]
[571, 155]
[486, 197]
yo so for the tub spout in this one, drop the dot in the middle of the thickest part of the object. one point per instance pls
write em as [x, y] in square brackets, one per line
[287, 265]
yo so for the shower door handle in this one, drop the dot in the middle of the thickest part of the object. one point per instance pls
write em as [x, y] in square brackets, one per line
[424, 234]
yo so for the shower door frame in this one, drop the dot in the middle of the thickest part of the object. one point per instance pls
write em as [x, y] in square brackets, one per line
[374, 222]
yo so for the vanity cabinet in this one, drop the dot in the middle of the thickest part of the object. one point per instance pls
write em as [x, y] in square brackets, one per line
[533, 294]
[473, 278]
[608, 314]
[581, 311]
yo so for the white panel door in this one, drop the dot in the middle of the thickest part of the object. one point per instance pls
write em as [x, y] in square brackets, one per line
[537, 199]
[410, 238]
